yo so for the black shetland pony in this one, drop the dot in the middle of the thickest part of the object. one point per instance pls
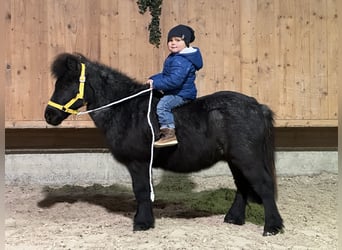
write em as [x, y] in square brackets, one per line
[224, 126]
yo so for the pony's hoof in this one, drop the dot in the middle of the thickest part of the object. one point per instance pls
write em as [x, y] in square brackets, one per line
[234, 221]
[142, 227]
[273, 232]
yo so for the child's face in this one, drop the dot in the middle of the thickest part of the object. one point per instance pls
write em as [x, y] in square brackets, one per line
[176, 44]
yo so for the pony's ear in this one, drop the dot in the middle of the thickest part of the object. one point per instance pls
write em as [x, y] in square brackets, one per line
[72, 63]
[65, 64]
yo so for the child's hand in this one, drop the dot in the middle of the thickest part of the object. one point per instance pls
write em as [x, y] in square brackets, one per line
[150, 83]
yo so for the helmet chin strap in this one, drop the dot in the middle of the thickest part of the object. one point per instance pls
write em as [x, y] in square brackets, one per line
[80, 95]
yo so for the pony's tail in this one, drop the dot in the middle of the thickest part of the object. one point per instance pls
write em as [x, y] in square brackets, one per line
[269, 146]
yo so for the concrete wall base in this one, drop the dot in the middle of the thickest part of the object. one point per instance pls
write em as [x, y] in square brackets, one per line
[101, 168]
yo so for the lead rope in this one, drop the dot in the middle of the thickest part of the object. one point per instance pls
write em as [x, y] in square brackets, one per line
[149, 123]
[113, 103]
[152, 143]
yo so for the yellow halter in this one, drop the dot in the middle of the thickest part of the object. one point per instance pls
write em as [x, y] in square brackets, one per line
[66, 108]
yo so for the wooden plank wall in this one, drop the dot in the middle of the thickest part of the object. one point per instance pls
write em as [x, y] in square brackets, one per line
[282, 52]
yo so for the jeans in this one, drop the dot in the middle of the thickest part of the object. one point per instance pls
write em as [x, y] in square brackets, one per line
[164, 108]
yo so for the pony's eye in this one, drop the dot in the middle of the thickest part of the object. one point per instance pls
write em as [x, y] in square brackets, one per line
[61, 85]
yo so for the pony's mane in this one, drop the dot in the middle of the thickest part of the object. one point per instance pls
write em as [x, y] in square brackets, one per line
[63, 64]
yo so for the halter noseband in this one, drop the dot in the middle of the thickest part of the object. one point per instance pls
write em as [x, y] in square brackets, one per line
[66, 108]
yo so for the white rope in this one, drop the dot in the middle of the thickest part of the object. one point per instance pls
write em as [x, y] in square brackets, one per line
[113, 103]
[152, 143]
[149, 123]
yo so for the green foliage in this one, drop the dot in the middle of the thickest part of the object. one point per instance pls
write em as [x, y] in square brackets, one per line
[154, 7]
[180, 189]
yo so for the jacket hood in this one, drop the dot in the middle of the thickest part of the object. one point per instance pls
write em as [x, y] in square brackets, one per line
[193, 54]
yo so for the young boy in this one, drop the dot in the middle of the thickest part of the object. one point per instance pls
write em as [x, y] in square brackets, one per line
[176, 81]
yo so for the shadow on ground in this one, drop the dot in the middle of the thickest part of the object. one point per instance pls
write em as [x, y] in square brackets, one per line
[175, 198]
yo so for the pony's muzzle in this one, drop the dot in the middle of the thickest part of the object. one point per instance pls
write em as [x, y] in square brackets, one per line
[54, 117]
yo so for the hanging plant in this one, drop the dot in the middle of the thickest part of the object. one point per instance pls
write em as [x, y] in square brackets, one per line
[154, 7]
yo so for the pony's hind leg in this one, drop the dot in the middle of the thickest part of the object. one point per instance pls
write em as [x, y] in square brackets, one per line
[264, 187]
[255, 183]
[236, 213]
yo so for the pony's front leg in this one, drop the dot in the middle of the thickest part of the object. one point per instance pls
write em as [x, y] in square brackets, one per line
[143, 219]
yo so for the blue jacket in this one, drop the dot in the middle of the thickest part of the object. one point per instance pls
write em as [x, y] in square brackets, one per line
[179, 73]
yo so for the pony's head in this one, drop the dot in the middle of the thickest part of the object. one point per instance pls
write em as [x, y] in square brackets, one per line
[68, 95]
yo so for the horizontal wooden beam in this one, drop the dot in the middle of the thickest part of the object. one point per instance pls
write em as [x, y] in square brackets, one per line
[88, 139]
[90, 124]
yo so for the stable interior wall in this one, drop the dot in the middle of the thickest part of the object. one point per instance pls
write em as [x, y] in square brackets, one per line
[283, 53]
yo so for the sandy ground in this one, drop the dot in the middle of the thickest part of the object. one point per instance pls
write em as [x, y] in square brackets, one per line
[308, 206]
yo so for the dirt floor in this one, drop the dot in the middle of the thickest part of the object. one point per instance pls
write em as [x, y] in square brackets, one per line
[75, 218]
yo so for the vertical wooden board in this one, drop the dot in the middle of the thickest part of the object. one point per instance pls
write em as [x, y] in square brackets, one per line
[302, 78]
[204, 32]
[214, 49]
[217, 48]
[92, 28]
[56, 29]
[333, 42]
[76, 26]
[64, 28]
[277, 64]
[9, 84]
[248, 41]
[285, 60]
[38, 54]
[109, 32]
[228, 50]
[231, 45]
[318, 52]
[166, 22]
[126, 35]
[127, 24]
[16, 39]
[67, 29]
[265, 29]
[140, 55]
[196, 18]
[67, 26]
[178, 10]
[27, 37]
[143, 55]
[278, 71]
